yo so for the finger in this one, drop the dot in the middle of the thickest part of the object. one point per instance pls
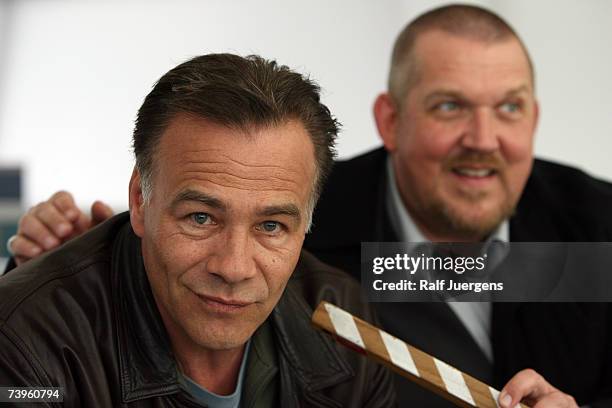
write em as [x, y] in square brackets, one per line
[33, 229]
[82, 224]
[525, 384]
[64, 202]
[53, 219]
[100, 212]
[19, 260]
[24, 249]
[556, 399]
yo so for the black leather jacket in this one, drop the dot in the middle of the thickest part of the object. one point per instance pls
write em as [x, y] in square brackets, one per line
[83, 318]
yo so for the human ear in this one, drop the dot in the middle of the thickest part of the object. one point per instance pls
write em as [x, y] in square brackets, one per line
[385, 116]
[136, 203]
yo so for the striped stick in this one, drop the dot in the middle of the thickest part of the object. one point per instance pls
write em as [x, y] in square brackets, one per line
[410, 362]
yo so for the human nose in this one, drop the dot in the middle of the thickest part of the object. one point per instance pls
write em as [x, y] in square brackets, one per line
[232, 260]
[481, 132]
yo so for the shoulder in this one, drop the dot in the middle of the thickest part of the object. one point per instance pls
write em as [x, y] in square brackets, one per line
[569, 188]
[567, 200]
[65, 293]
[60, 269]
[569, 183]
[351, 194]
[354, 175]
[364, 161]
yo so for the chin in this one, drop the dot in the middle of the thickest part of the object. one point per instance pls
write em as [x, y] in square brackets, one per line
[477, 219]
[479, 228]
[225, 338]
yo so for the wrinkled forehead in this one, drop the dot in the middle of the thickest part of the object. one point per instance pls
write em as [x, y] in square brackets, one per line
[448, 60]
[255, 159]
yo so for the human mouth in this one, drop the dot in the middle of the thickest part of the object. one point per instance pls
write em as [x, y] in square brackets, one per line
[219, 304]
[472, 177]
[474, 172]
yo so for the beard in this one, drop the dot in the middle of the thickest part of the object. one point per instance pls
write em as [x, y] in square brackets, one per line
[454, 221]
[462, 214]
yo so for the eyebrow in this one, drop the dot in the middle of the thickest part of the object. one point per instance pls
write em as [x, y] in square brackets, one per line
[192, 195]
[290, 210]
[444, 94]
[458, 95]
[522, 88]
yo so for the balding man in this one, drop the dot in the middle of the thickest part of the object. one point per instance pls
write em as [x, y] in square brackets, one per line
[458, 123]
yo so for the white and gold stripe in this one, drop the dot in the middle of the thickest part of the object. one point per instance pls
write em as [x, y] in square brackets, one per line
[412, 363]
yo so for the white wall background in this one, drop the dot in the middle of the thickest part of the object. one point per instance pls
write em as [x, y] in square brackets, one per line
[74, 72]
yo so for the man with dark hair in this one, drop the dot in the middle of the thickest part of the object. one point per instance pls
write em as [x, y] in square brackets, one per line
[200, 296]
[457, 123]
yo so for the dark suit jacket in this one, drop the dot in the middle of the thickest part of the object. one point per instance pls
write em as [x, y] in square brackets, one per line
[570, 344]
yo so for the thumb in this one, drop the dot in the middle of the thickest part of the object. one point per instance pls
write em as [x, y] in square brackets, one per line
[100, 212]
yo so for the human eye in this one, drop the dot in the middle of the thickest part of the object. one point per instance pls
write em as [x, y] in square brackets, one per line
[270, 227]
[511, 109]
[200, 218]
[448, 106]
[447, 109]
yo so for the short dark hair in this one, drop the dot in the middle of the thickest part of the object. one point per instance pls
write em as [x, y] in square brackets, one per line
[238, 92]
[462, 20]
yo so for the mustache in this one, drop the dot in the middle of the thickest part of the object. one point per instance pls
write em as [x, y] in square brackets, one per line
[476, 159]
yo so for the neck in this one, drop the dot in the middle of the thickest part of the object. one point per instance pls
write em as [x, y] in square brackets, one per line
[215, 370]
[440, 236]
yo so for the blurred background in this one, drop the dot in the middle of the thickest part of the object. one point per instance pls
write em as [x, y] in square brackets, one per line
[74, 72]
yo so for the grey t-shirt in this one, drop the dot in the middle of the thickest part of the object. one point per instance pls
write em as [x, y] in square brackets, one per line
[209, 399]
